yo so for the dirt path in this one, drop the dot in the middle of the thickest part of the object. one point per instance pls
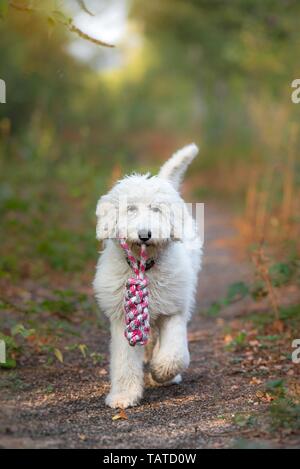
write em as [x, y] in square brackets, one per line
[62, 405]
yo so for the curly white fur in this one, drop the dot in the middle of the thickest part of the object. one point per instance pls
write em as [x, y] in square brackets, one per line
[172, 280]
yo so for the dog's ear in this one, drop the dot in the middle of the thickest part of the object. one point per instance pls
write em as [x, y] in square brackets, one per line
[106, 213]
[173, 170]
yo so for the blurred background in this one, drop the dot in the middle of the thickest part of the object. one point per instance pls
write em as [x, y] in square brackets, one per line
[79, 114]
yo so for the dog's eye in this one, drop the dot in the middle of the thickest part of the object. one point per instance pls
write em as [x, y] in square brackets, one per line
[156, 209]
[131, 208]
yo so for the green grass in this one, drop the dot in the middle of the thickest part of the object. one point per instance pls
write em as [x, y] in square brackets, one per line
[11, 381]
[288, 314]
[285, 414]
[47, 217]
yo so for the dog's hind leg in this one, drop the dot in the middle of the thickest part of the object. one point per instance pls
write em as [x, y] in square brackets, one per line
[171, 357]
[126, 369]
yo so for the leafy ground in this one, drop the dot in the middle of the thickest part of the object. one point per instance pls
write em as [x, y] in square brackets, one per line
[241, 390]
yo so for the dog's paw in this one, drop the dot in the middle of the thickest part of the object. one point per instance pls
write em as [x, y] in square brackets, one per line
[176, 380]
[122, 400]
[168, 369]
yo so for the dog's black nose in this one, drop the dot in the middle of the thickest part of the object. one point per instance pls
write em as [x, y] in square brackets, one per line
[144, 235]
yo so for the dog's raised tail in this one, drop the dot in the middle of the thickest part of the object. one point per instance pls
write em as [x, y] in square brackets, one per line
[173, 170]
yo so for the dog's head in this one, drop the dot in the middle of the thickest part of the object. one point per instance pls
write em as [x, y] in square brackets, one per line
[147, 209]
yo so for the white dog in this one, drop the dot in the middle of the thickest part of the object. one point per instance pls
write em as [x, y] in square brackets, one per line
[154, 214]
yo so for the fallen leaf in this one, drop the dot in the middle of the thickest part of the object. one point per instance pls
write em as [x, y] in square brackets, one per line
[228, 339]
[120, 416]
[278, 326]
[82, 348]
[264, 396]
[58, 355]
[255, 381]
[268, 397]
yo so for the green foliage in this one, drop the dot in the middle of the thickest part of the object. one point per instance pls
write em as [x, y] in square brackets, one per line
[280, 274]
[3, 8]
[65, 302]
[49, 389]
[214, 309]
[236, 292]
[238, 342]
[11, 349]
[220, 35]
[285, 414]
[290, 312]
[19, 329]
[243, 420]
[259, 290]
[48, 9]
[97, 358]
[274, 384]
[243, 443]
[269, 338]
[12, 381]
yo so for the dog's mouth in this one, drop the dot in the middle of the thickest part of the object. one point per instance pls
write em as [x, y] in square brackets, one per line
[139, 243]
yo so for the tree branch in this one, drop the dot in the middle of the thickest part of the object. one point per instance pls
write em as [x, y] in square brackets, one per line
[83, 6]
[83, 35]
[66, 23]
[19, 7]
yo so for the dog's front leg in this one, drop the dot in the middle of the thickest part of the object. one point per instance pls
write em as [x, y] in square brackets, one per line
[126, 369]
[171, 356]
